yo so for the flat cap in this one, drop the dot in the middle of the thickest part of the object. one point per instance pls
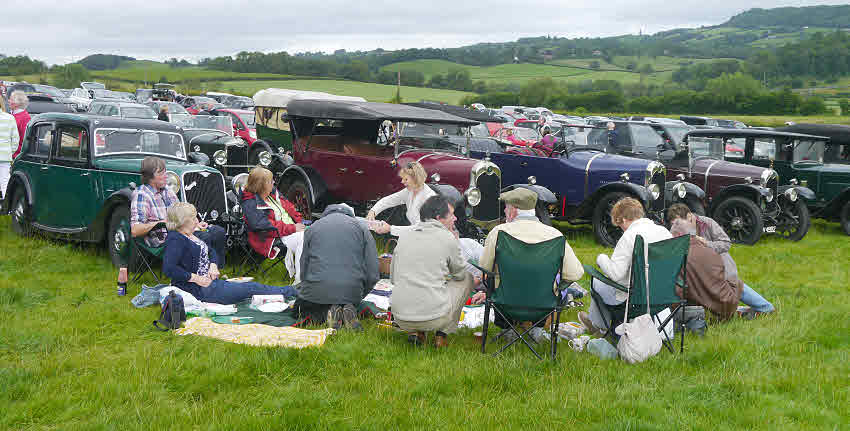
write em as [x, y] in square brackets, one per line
[520, 198]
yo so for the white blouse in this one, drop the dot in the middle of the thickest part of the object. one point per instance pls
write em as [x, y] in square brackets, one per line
[413, 203]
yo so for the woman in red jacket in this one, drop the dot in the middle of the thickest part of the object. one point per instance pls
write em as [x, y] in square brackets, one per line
[268, 215]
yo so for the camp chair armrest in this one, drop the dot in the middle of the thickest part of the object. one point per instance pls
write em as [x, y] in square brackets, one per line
[488, 279]
[489, 273]
[595, 273]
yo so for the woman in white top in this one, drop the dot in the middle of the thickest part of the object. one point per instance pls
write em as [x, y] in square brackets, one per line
[413, 195]
[9, 140]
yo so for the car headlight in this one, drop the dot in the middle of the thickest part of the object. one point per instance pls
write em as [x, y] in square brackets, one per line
[265, 158]
[791, 194]
[252, 134]
[654, 190]
[769, 197]
[473, 196]
[220, 157]
[680, 190]
[238, 182]
[172, 182]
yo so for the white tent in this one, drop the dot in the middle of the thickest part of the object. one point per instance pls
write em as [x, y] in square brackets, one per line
[280, 97]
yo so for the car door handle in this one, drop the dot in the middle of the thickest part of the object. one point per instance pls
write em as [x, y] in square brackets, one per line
[343, 169]
[44, 168]
[358, 172]
[84, 174]
[524, 164]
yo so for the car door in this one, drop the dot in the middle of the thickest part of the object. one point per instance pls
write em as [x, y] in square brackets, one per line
[35, 162]
[72, 194]
[372, 173]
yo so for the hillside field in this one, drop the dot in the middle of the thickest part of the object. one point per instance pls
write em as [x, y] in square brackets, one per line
[369, 91]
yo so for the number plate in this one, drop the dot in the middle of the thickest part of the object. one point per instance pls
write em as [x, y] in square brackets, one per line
[770, 229]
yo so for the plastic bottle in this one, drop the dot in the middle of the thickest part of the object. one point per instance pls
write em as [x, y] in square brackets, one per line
[122, 281]
[602, 348]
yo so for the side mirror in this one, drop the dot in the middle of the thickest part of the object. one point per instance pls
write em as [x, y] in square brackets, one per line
[199, 158]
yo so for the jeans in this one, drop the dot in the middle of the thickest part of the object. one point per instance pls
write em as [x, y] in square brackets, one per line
[216, 238]
[754, 300]
[226, 292]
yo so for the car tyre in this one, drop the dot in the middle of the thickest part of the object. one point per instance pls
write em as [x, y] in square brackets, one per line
[119, 238]
[21, 213]
[606, 232]
[798, 223]
[845, 217]
[299, 195]
[741, 219]
[542, 213]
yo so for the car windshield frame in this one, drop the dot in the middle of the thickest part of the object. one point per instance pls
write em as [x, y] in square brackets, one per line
[51, 91]
[819, 146]
[677, 138]
[442, 141]
[180, 154]
[245, 116]
[221, 123]
[714, 147]
[151, 115]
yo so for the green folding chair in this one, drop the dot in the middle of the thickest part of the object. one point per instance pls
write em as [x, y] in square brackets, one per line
[527, 274]
[145, 257]
[656, 271]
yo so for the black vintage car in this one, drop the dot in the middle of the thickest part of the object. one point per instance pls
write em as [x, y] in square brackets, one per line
[213, 136]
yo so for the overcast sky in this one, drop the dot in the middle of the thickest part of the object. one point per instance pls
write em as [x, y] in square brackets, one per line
[60, 32]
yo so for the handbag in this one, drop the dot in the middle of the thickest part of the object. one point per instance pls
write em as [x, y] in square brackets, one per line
[173, 313]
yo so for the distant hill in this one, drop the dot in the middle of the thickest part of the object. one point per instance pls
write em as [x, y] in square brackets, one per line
[812, 16]
[104, 61]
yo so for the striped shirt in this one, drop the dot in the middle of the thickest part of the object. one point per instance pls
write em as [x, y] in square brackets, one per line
[150, 205]
[9, 138]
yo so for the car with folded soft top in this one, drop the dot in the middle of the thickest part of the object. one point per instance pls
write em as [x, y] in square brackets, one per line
[76, 174]
[244, 125]
[116, 108]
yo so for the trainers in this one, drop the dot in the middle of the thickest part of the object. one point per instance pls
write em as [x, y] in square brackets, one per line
[349, 317]
[584, 318]
[747, 313]
[334, 317]
[538, 335]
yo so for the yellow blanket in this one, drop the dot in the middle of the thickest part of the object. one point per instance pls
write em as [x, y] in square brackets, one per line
[256, 335]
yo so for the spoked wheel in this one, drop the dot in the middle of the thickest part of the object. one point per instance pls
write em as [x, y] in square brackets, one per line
[21, 214]
[794, 221]
[119, 238]
[606, 232]
[299, 195]
[741, 219]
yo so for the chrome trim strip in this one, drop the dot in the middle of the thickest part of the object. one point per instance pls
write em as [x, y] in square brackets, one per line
[59, 229]
[705, 185]
[587, 171]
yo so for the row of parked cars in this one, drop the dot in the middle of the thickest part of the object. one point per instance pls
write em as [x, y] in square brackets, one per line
[325, 149]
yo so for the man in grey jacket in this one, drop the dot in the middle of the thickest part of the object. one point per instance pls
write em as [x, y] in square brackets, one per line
[339, 266]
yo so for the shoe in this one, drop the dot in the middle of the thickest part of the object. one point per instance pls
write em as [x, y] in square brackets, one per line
[334, 317]
[538, 335]
[584, 318]
[349, 317]
[418, 338]
[747, 313]
[440, 341]
[507, 335]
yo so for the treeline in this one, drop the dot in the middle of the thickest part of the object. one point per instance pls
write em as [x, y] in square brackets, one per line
[20, 65]
[103, 61]
[814, 16]
[824, 56]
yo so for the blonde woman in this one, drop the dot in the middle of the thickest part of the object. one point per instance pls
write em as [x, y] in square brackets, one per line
[9, 140]
[413, 195]
[193, 266]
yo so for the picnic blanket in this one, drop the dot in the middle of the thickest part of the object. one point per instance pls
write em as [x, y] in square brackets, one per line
[256, 334]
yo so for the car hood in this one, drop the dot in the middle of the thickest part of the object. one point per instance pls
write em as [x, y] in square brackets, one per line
[608, 162]
[134, 164]
[728, 169]
[453, 169]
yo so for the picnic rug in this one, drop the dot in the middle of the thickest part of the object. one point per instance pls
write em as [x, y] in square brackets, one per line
[256, 334]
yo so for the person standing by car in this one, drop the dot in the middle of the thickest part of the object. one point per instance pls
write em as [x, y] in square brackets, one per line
[18, 102]
[163, 114]
[612, 134]
[9, 142]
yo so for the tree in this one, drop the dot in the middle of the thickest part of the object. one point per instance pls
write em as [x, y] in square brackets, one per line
[69, 76]
[844, 104]
[812, 106]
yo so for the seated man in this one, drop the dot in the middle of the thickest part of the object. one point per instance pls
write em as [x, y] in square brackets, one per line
[429, 276]
[628, 215]
[712, 236]
[149, 206]
[339, 266]
[707, 280]
[522, 224]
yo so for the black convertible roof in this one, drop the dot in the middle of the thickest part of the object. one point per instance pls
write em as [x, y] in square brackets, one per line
[97, 122]
[371, 111]
[750, 132]
[836, 133]
[460, 111]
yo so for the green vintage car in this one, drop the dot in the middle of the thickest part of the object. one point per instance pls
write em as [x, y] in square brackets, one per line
[76, 173]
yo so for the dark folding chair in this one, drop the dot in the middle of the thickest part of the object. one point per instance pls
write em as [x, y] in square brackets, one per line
[145, 258]
[251, 260]
[525, 294]
[656, 270]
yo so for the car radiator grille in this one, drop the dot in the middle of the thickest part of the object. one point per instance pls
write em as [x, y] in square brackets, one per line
[205, 190]
[773, 186]
[658, 204]
[489, 209]
[237, 155]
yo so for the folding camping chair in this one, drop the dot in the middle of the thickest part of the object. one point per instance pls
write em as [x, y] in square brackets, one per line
[656, 270]
[145, 257]
[250, 258]
[526, 278]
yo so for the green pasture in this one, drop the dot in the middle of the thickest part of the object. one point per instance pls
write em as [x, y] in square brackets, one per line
[74, 356]
[152, 72]
[369, 91]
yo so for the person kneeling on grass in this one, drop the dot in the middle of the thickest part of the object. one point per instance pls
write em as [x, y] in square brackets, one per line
[193, 266]
[429, 276]
[710, 234]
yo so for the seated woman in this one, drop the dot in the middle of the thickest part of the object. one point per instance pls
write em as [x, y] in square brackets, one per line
[429, 275]
[413, 195]
[272, 221]
[193, 266]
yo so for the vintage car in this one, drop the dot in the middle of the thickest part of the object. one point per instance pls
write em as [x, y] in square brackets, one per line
[351, 152]
[810, 162]
[164, 92]
[238, 102]
[76, 173]
[243, 122]
[40, 102]
[213, 135]
[195, 104]
[91, 86]
[111, 108]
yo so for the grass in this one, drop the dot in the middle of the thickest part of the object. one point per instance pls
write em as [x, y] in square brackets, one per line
[369, 91]
[152, 73]
[73, 355]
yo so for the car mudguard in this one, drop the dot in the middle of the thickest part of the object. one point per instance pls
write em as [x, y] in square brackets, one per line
[97, 230]
[804, 192]
[18, 177]
[314, 181]
[692, 192]
[449, 192]
[586, 208]
[833, 208]
[543, 194]
[750, 191]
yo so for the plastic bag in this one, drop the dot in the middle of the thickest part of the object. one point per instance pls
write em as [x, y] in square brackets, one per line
[639, 339]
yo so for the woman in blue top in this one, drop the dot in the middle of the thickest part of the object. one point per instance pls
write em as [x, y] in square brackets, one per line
[193, 266]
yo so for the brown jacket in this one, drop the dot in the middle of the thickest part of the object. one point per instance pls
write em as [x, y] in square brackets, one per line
[707, 282]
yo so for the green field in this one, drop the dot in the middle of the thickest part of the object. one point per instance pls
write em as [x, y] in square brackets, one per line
[750, 120]
[369, 91]
[152, 72]
[73, 356]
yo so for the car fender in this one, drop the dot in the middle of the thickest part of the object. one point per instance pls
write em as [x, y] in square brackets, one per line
[18, 177]
[543, 193]
[314, 181]
[261, 143]
[747, 190]
[449, 192]
[804, 192]
[833, 208]
[692, 191]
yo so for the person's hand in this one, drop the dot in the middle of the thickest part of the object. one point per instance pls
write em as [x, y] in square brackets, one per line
[202, 281]
[370, 216]
[702, 240]
[213, 272]
[202, 226]
[384, 227]
[477, 280]
[479, 297]
[299, 227]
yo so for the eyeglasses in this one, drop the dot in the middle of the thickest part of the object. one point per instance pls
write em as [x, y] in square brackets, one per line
[409, 165]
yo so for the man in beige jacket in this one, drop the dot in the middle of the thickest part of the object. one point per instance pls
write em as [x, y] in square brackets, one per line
[523, 224]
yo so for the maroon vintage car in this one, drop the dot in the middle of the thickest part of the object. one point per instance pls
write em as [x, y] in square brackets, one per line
[351, 152]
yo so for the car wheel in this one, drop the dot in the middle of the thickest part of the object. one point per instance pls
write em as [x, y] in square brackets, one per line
[845, 217]
[606, 232]
[21, 214]
[299, 195]
[119, 237]
[741, 219]
[696, 207]
[542, 213]
[795, 221]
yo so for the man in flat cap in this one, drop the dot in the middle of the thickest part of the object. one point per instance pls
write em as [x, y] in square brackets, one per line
[522, 224]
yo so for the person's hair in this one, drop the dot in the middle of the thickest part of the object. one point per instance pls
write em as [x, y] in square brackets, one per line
[257, 179]
[626, 209]
[677, 211]
[415, 171]
[610, 123]
[178, 214]
[163, 108]
[2, 104]
[150, 166]
[19, 99]
[434, 207]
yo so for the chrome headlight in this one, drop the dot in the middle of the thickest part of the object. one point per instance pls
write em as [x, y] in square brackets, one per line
[793, 181]
[654, 190]
[435, 177]
[532, 180]
[220, 157]
[196, 148]
[473, 196]
[769, 197]
[172, 182]
[238, 182]
[680, 190]
[252, 134]
[280, 150]
[265, 158]
[791, 194]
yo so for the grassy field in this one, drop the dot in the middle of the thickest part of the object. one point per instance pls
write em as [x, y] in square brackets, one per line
[154, 72]
[74, 356]
[369, 91]
[750, 120]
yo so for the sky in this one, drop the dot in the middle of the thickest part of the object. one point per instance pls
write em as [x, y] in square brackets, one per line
[64, 32]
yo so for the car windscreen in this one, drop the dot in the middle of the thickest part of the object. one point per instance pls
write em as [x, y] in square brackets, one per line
[708, 147]
[48, 90]
[480, 130]
[182, 120]
[212, 122]
[645, 138]
[138, 112]
[526, 134]
[248, 119]
[110, 141]
[431, 130]
[809, 152]
[677, 133]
